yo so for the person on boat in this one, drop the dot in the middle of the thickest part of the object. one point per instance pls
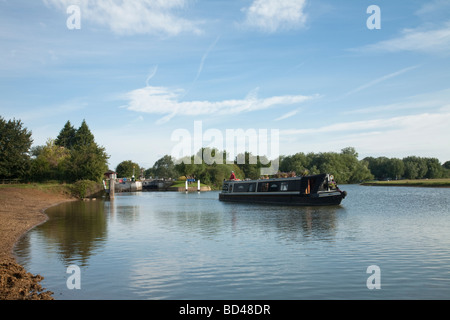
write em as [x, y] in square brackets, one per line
[233, 176]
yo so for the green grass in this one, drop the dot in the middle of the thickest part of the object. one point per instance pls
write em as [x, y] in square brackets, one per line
[48, 186]
[411, 183]
[79, 189]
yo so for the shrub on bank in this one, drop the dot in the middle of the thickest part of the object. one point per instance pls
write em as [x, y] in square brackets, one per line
[85, 188]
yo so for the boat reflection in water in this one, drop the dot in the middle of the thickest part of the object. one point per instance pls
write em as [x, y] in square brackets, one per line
[312, 190]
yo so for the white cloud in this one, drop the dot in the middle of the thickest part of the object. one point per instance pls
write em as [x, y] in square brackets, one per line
[164, 101]
[434, 100]
[274, 15]
[133, 16]
[419, 39]
[423, 134]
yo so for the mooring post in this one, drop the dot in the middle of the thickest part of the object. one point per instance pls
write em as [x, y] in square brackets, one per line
[112, 180]
[186, 185]
[198, 185]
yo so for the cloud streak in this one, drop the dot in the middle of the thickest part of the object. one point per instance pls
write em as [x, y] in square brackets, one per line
[133, 17]
[381, 79]
[202, 61]
[167, 102]
[418, 40]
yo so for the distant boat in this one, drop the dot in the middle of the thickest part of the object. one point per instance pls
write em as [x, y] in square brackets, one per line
[313, 190]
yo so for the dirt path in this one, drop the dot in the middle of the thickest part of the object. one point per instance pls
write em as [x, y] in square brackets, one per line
[20, 210]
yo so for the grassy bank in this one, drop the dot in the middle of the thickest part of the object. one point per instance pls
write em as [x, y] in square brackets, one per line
[80, 189]
[438, 183]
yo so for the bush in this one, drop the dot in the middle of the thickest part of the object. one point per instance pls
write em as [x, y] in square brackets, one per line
[85, 188]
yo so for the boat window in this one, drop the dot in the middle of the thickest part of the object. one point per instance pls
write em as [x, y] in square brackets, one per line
[263, 186]
[274, 186]
[245, 187]
[284, 186]
[225, 187]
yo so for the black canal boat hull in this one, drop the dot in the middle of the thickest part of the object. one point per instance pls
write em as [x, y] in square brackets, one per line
[314, 190]
[286, 199]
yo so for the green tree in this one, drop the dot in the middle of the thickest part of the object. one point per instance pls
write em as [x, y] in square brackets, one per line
[49, 164]
[88, 160]
[395, 168]
[83, 136]
[435, 170]
[66, 137]
[415, 167]
[15, 144]
[345, 166]
[298, 163]
[249, 164]
[128, 168]
[446, 165]
[165, 167]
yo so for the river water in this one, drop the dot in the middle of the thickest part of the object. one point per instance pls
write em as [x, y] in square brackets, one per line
[173, 245]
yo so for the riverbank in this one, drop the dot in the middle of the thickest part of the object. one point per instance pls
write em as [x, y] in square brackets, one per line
[22, 208]
[436, 183]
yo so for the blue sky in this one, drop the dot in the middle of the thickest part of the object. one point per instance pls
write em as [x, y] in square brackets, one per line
[137, 71]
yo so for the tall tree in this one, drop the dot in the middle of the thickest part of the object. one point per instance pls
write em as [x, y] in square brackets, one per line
[83, 135]
[88, 161]
[15, 144]
[66, 137]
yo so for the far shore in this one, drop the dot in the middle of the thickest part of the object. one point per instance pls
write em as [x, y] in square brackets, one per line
[430, 183]
[21, 209]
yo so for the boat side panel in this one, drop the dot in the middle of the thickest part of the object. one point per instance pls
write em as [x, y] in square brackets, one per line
[283, 199]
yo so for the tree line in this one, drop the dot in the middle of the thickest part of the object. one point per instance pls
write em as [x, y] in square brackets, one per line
[411, 167]
[344, 165]
[72, 156]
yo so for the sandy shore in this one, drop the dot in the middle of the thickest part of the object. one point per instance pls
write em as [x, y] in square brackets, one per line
[21, 209]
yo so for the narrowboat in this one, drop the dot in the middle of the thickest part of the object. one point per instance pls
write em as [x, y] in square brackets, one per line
[312, 190]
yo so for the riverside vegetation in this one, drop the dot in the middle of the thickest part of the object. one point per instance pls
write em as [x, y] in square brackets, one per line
[75, 158]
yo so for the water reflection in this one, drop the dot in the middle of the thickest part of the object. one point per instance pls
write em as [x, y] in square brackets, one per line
[192, 246]
[74, 230]
[213, 219]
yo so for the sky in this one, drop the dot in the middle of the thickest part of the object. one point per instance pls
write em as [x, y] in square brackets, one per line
[316, 76]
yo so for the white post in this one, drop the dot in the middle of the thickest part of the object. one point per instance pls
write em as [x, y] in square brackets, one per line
[186, 186]
[198, 186]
